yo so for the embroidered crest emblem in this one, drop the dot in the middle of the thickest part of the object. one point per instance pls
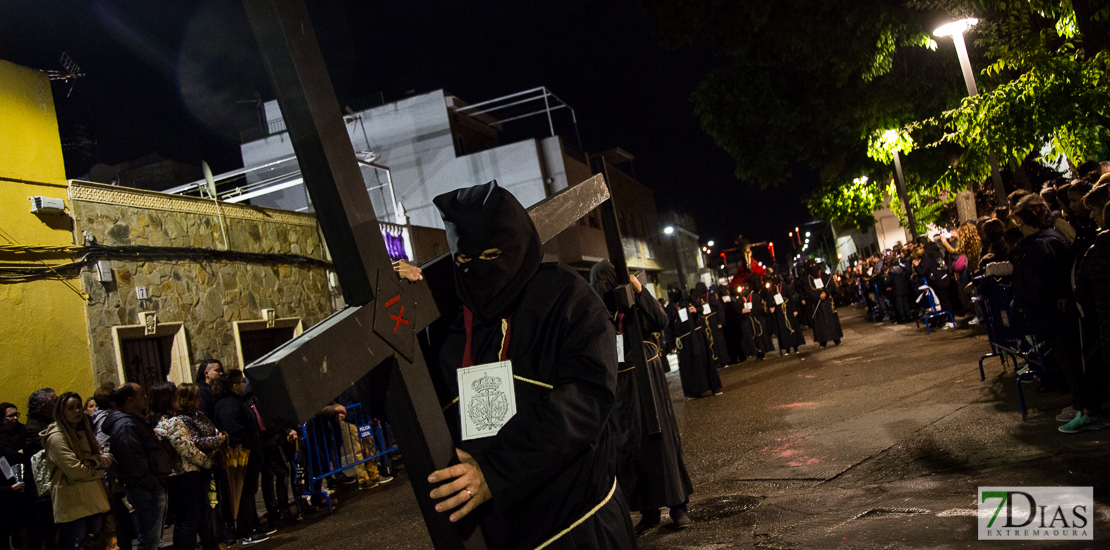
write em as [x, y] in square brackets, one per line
[488, 405]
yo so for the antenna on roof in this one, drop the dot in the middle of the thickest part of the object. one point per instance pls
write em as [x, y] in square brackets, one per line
[70, 71]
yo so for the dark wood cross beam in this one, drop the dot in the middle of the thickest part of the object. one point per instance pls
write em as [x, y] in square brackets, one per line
[625, 295]
[378, 327]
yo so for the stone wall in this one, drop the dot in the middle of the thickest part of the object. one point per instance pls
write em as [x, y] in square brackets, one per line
[205, 294]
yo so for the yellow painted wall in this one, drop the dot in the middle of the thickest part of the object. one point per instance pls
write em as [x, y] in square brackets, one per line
[43, 327]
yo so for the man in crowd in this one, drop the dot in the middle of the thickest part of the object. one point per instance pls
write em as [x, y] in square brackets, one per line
[546, 477]
[143, 465]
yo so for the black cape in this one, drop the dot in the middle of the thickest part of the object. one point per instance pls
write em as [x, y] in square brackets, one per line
[695, 367]
[553, 461]
[651, 468]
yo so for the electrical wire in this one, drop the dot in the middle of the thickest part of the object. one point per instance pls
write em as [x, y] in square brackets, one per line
[96, 252]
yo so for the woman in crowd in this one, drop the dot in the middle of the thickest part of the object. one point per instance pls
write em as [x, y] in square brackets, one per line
[233, 415]
[196, 441]
[77, 492]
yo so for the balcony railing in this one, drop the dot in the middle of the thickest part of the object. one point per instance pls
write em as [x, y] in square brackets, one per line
[272, 127]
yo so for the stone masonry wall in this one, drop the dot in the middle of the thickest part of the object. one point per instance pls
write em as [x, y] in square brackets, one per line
[207, 295]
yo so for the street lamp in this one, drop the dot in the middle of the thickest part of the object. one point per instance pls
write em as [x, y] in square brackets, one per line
[956, 30]
[710, 243]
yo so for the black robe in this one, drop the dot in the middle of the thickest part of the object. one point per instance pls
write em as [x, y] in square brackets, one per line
[695, 367]
[734, 330]
[714, 323]
[553, 461]
[787, 328]
[826, 323]
[651, 468]
[805, 305]
[757, 331]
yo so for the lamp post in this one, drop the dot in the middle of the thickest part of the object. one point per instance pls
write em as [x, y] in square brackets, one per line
[956, 30]
[670, 230]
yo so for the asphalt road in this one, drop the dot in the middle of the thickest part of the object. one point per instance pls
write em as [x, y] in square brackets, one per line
[878, 443]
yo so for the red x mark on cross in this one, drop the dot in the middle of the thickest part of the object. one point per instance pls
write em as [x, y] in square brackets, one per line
[400, 314]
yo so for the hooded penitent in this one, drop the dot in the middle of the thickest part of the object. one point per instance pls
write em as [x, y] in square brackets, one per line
[603, 277]
[674, 293]
[701, 292]
[494, 244]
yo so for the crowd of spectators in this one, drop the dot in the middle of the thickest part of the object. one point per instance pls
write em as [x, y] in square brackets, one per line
[125, 464]
[1052, 248]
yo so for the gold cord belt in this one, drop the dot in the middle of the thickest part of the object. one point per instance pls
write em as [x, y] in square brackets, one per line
[581, 519]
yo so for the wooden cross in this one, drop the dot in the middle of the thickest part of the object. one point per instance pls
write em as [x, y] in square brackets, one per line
[379, 326]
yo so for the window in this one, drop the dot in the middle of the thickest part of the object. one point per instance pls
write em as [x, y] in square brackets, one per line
[147, 359]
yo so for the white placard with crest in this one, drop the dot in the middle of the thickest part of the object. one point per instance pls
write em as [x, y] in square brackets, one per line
[487, 399]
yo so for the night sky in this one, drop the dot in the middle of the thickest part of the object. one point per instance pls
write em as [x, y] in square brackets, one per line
[179, 78]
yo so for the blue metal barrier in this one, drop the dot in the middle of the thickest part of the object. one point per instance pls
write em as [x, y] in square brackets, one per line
[1004, 331]
[934, 310]
[328, 447]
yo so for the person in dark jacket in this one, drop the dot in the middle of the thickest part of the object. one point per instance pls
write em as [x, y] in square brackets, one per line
[1093, 293]
[15, 497]
[1042, 291]
[40, 414]
[899, 283]
[233, 415]
[142, 464]
[207, 372]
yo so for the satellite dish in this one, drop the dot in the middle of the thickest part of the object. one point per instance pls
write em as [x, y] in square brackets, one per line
[209, 183]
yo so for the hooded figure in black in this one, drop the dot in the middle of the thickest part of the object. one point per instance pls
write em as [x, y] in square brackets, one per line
[783, 309]
[753, 318]
[734, 330]
[695, 367]
[650, 467]
[826, 323]
[552, 463]
[714, 320]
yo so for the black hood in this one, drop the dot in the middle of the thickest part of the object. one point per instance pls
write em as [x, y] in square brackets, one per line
[603, 277]
[700, 292]
[481, 218]
[674, 293]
